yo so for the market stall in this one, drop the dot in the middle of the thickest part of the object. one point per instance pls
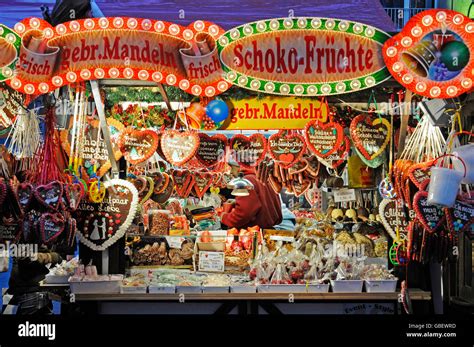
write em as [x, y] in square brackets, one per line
[290, 160]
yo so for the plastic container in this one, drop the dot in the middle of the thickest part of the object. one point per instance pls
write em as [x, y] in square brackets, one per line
[381, 286]
[54, 279]
[100, 286]
[444, 184]
[243, 289]
[282, 288]
[162, 289]
[318, 288]
[188, 289]
[212, 289]
[347, 286]
[133, 290]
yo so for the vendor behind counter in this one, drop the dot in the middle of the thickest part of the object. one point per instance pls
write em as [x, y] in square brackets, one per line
[261, 207]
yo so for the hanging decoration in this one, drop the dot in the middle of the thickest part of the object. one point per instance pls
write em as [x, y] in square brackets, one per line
[248, 151]
[324, 139]
[433, 55]
[100, 225]
[286, 148]
[138, 145]
[179, 146]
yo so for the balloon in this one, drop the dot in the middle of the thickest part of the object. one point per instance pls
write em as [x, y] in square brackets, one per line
[455, 55]
[217, 110]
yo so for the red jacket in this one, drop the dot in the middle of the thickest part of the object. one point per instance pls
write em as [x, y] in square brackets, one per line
[261, 207]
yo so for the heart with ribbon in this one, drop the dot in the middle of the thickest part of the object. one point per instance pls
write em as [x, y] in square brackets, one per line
[431, 217]
[51, 225]
[211, 150]
[100, 225]
[460, 217]
[370, 135]
[248, 151]
[203, 181]
[49, 195]
[138, 145]
[323, 138]
[179, 146]
[286, 148]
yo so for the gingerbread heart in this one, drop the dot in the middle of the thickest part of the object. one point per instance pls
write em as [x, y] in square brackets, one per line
[165, 194]
[374, 163]
[99, 225]
[183, 182]
[338, 157]
[25, 193]
[393, 215]
[323, 138]
[299, 167]
[74, 194]
[51, 226]
[370, 135]
[137, 145]
[430, 216]
[93, 151]
[420, 174]
[313, 165]
[179, 147]
[211, 150]
[286, 148]
[49, 195]
[300, 188]
[460, 217]
[313, 196]
[432, 56]
[248, 151]
[202, 183]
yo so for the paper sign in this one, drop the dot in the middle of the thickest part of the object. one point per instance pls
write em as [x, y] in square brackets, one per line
[211, 261]
[282, 238]
[174, 242]
[343, 195]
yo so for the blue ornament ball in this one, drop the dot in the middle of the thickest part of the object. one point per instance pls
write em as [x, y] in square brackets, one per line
[217, 110]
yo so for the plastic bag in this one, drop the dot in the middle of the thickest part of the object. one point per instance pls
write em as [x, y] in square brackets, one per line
[280, 276]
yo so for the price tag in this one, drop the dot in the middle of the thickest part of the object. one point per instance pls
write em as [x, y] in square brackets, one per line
[282, 238]
[211, 261]
[343, 195]
[174, 242]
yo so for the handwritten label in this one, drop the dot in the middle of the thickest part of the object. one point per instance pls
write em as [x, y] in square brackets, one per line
[211, 261]
[343, 195]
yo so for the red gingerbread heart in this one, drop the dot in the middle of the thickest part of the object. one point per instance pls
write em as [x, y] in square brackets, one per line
[211, 150]
[49, 195]
[51, 226]
[286, 148]
[460, 217]
[25, 193]
[202, 183]
[138, 146]
[323, 139]
[420, 174]
[248, 152]
[431, 217]
[179, 147]
[183, 182]
[370, 135]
